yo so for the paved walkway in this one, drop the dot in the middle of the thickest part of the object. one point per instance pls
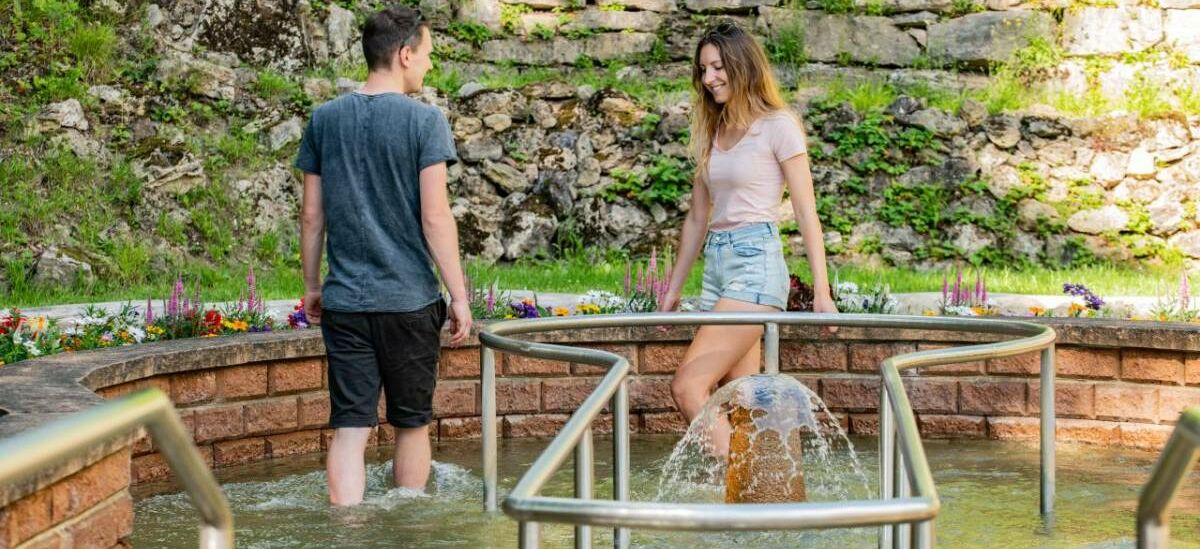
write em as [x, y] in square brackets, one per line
[910, 303]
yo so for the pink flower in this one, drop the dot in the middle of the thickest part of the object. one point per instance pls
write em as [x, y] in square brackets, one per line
[1185, 292]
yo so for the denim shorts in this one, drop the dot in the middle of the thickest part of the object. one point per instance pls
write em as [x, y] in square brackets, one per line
[745, 264]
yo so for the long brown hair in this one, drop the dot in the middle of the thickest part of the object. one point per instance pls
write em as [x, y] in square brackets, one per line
[753, 89]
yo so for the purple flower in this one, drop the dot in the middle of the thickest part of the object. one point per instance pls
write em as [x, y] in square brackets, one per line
[1090, 299]
[149, 312]
[1185, 292]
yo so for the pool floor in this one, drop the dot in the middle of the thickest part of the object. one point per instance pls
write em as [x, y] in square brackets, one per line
[989, 493]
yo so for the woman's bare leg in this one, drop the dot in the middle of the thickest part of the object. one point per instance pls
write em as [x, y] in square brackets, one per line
[718, 354]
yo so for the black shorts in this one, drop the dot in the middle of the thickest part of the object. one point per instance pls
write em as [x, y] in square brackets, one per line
[395, 351]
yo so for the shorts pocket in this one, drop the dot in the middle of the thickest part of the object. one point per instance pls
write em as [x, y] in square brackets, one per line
[747, 250]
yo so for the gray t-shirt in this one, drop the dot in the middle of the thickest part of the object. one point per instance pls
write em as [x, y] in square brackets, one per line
[369, 151]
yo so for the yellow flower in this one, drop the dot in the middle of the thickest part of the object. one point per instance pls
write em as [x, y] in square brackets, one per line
[588, 309]
[1037, 311]
[154, 330]
[1076, 309]
[930, 312]
[561, 311]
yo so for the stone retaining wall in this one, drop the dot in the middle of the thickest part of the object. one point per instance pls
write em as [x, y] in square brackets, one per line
[256, 397]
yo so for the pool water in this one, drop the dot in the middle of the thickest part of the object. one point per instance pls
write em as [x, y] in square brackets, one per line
[989, 494]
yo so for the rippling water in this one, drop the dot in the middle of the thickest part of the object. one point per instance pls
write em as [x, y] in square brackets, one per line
[988, 490]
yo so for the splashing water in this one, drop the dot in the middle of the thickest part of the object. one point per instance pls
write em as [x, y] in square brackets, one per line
[695, 472]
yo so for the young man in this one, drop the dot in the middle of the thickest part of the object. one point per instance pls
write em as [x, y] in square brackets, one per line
[374, 165]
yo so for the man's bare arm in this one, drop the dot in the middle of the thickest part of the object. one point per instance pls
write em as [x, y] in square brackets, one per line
[441, 234]
[312, 243]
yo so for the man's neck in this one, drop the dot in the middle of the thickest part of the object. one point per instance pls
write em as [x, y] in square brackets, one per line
[384, 82]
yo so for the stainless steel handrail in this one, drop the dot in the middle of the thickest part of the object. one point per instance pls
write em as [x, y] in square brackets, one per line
[911, 469]
[26, 455]
[1176, 462]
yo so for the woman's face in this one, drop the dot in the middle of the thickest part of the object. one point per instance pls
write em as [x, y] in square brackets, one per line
[713, 75]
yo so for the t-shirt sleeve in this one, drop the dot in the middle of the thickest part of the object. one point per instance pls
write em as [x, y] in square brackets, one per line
[437, 144]
[787, 138]
[308, 159]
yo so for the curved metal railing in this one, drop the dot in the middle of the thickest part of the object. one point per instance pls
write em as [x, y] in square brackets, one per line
[908, 494]
[1176, 462]
[26, 455]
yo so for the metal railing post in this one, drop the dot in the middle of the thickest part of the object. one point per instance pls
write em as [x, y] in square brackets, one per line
[620, 405]
[528, 534]
[1047, 432]
[771, 348]
[887, 434]
[487, 375]
[901, 488]
[1173, 467]
[583, 485]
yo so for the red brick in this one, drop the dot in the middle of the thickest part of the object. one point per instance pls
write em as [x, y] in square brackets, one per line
[271, 416]
[162, 383]
[866, 357]
[459, 363]
[314, 410]
[648, 394]
[811, 356]
[1088, 431]
[518, 396]
[1172, 401]
[193, 387]
[973, 367]
[218, 422]
[149, 468]
[516, 365]
[299, 442]
[1191, 374]
[1028, 364]
[1152, 365]
[242, 382]
[28, 516]
[565, 395]
[1071, 398]
[235, 452]
[864, 424]
[932, 396]
[628, 351]
[105, 524]
[460, 428]
[455, 398]
[1086, 362]
[663, 423]
[939, 426]
[1013, 428]
[296, 375]
[992, 397]
[1146, 437]
[539, 425]
[1126, 402]
[661, 358]
[95, 483]
[850, 394]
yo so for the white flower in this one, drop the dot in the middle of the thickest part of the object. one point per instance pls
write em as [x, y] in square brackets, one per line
[32, 348]
[960, 310]
[847, 288]
[138, 334]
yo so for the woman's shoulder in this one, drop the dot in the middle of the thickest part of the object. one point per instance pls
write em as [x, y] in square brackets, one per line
[781, 117]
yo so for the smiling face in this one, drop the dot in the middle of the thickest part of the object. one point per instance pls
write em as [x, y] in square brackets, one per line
[712, 73]
[416, 61]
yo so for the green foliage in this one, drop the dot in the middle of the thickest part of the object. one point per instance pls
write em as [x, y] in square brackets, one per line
[876, 7]
[658, 53]
[612, 6]
[786, 45]
[867, 97]
[584, 62]
[274, 86]
[1188, 98]
[665, 181]
[93, 46]
[964, 7]
[510, 17]
[1013, 84]
[833, 213]
[838, 6]
[579, 33]
[919, 206]
[883, 152]
[470, 32]
[542, 32]
[446, 80]
[1143, 97]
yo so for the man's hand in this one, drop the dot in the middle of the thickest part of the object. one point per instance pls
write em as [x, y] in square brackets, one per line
[460, 321]
[312, 306]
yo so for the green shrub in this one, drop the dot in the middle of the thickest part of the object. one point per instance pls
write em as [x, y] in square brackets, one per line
[93, 45]
[787, 44]
[665, 181]
[469, 31]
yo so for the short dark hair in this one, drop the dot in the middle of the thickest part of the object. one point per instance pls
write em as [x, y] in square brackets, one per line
[389, 30]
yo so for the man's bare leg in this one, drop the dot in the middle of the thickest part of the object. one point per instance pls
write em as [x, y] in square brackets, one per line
[411, 457]
[345, 465]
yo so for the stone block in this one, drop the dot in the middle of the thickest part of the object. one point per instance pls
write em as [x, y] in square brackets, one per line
[1172, 401]
[866, 357]
[1179, 28]
[455, 398]
[831, 38]
[565, 395]
[454, 428]
[932, 396]
[850, 394]
[516, 365]
[941, 426]
[272, 416]
[726, 6]
[28, 517]
[809, 356]
[1191, 368]
[660, 358]
[1071, 398]
[538, 425]
[1013, 428]
[236, 452]
[663, 423]
[218, 422]
[515, 396]
[992, 397]
[296, 375]
[864, 424]
[105, 525]
[1088, 431]
[95, 483]
[962, 368]
[299, 442]
[561, 51]
[628, 351]
[242, 382]
[1126, 402]
[459, 363]
[1145, 437]
[314, 410]
[979, 39]
[648, 394]
[1152, 365]
[1028, 364]
[193, 387]
[1111, 31]
[661, 6]
[1086, 362]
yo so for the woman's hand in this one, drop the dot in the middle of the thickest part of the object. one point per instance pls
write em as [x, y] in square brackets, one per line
[670, 301]
[825, 304]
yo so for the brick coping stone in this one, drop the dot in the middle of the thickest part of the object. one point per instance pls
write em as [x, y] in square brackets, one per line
[36, 392]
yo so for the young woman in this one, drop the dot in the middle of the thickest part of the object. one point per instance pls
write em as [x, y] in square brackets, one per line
[747, 144]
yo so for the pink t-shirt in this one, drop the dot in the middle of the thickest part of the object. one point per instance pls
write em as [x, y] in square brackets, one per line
[746, 181]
